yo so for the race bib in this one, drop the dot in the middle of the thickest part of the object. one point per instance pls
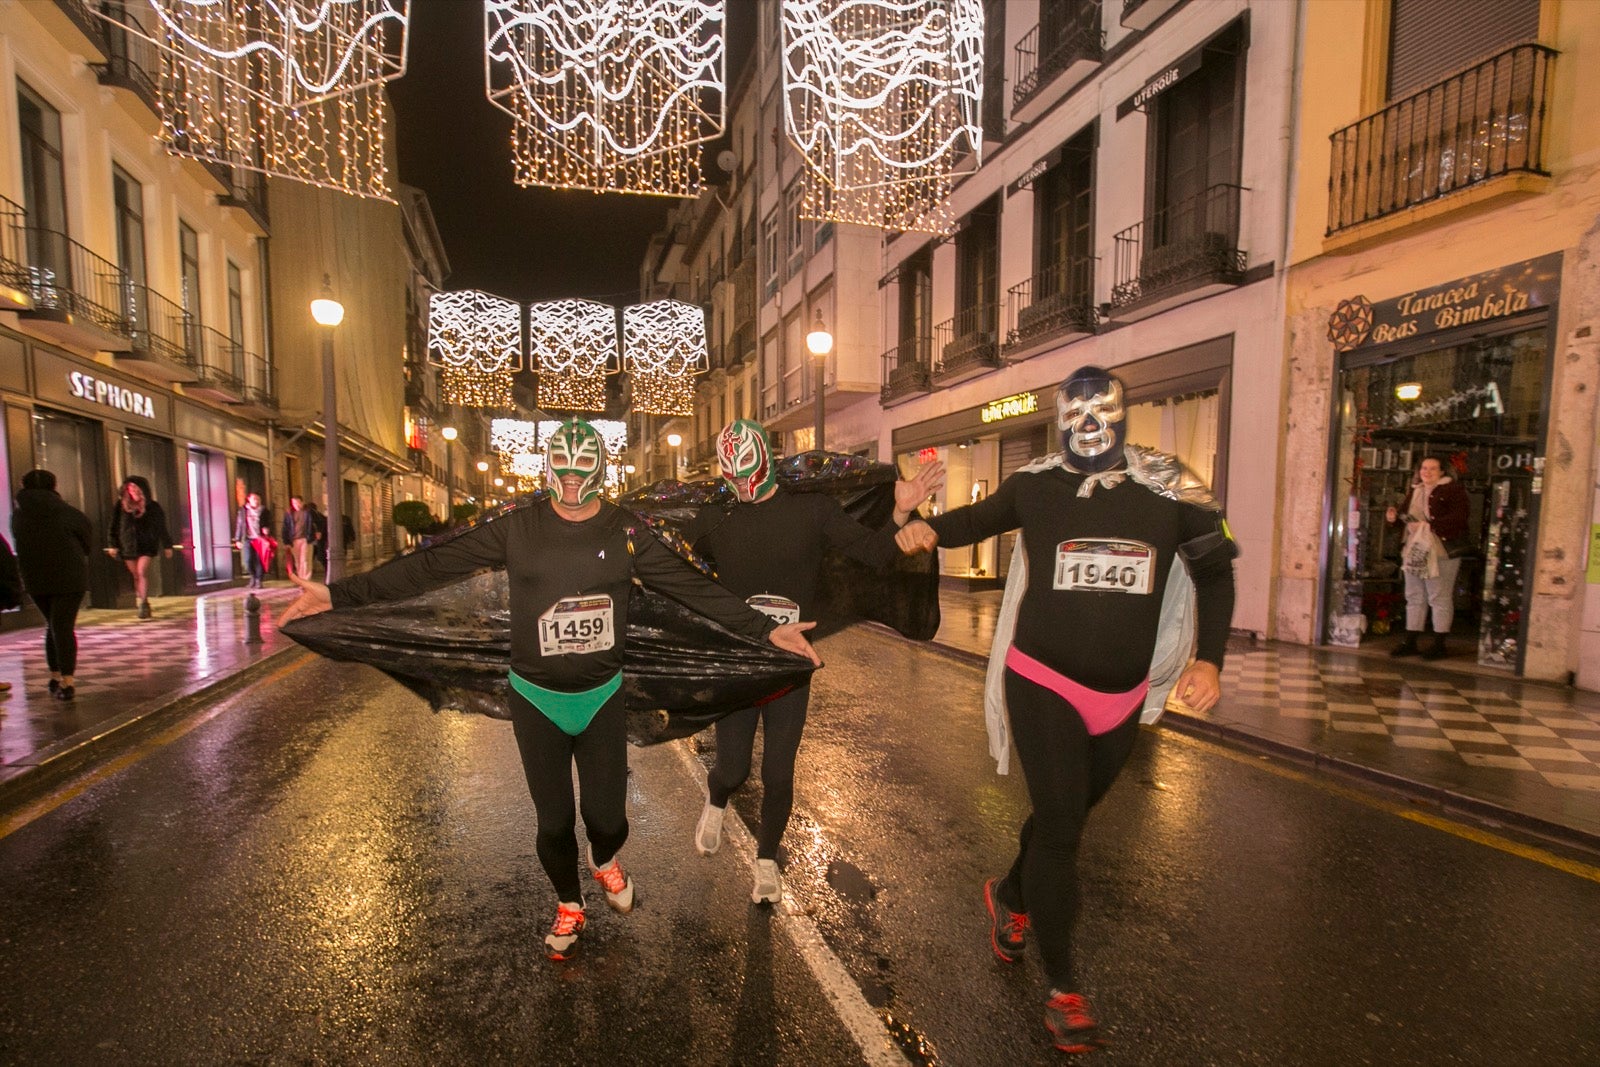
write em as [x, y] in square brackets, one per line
[577, 624]
[780, 608]
[1104, 566]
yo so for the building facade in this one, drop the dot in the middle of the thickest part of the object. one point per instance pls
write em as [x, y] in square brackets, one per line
[1443, 300]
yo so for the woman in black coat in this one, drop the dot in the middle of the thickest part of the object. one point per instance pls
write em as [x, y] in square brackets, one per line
[53, 544]
[138, 532]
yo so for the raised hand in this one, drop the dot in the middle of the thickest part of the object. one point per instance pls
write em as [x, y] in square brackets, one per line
[314, 599]
[916, 536]
[791, 637]
[910, 493]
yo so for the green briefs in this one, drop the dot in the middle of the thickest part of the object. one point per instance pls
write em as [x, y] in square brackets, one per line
[572, 712]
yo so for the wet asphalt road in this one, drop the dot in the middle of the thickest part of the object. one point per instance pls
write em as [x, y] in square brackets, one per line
[320, 871]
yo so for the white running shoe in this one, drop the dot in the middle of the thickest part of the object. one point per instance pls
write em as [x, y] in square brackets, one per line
[769, 883]
[615, 881]
[562, 940]
[708, 831]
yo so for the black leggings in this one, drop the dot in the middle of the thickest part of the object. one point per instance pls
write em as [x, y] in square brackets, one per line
[783, 720]
[1068, 771]
[601, 753]
[60, 612]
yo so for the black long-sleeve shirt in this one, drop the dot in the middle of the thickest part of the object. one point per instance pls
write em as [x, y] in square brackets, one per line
[776, 546]
[554, 563]
[1091, 609]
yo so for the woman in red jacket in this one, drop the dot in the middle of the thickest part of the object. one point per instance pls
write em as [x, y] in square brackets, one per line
[1434, 511]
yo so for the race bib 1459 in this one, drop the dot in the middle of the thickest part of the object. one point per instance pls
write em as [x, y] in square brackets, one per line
[577, 624]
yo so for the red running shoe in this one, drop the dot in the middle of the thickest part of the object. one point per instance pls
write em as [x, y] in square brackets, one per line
[1071, 1025]
[1008, 930]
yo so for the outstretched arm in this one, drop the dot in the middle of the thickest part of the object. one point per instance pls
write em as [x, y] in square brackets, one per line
[910, 493]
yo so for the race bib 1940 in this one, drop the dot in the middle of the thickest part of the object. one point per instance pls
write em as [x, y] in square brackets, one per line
[776, 607]
[577, 624]
[1106, 566]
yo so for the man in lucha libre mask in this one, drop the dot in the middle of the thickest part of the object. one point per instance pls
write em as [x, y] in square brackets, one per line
[1111, 534]
[768, 549]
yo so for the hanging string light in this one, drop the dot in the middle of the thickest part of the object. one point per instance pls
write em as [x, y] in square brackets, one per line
[883, 98]
[613, 432]
[516, 441]
[663, 346]
[290, 88]
[571, 344]
[608, 95]
[477, 338]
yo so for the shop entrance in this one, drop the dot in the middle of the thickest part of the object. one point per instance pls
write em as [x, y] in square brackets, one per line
[1478, 407]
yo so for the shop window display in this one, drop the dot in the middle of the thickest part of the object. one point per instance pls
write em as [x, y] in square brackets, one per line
[1477, 407]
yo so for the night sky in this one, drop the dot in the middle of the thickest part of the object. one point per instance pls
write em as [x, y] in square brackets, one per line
[520, 243]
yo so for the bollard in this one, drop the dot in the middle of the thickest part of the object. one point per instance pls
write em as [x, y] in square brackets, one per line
[252, 620]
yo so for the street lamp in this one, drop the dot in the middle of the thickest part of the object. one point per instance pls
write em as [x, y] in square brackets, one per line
[820, 342]
[328, 314]
[483, 480]
[449, 435]
[673, 441]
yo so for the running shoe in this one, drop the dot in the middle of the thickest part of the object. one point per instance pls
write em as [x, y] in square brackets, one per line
[769, 883]
[562, 940]
[1008, 930]
[708, 832]
[144, 609]
[1071, 1025]
[615, 881]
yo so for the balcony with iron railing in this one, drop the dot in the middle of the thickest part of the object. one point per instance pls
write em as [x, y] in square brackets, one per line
[80, 14]
[132, 60]
[247, 191]
[1055, 56]
[219, 366]
[76, 295]
[744, 294]
[15, 292]
[1142, 14]
[161, 334]
[1484, 123]
[967, 344]
[1184, 252]
[907, 371]
[260, 396]
[1053, 307]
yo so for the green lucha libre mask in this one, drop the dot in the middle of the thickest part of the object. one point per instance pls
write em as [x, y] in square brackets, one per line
[745, 456]
[575, 450]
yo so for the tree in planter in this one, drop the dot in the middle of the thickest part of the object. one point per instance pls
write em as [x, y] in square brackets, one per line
[463, 513]
[414, 517]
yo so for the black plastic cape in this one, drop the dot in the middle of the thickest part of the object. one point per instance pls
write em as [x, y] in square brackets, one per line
[682, 672]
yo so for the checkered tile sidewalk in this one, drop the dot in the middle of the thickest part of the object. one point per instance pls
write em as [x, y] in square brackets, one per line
[1508, 726]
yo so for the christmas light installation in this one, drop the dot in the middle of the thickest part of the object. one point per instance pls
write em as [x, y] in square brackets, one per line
[613, 432]
[663, 346]
[571, 343]
[477, 338]
[290, 88]
[883, 99]
[608, 95]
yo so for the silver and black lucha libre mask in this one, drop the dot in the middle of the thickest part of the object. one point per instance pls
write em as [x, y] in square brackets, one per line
[1093, 420]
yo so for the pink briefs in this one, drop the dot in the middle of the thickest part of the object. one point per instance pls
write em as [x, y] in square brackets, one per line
[1101, 712]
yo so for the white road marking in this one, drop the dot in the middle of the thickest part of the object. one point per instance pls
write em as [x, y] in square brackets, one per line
[861, 1019]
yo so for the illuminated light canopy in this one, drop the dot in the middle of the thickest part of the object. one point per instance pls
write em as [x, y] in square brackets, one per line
[613, 432]
[571, 344]
[290, 88]
[663, 346]
[608, 95]
[477, 338]
[883, 100]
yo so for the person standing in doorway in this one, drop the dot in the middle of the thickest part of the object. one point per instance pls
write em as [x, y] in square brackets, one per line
[1434, 512]
[299, 531]
[252, 536]
[138, 534]
[54, 540]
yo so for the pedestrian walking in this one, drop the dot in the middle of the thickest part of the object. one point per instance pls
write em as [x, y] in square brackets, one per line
[768, 550]
[138, 534]
[1103, 525]
[54, 540]
[571, 559]
[1435, 514]
[252, 536]
[299, 534]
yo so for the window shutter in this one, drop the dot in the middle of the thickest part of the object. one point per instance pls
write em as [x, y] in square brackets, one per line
[1431, 39]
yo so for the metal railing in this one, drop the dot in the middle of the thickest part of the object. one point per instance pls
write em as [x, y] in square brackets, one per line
[1056, 301]
[81, 12]
[13, 255]
[1182, 246]
[62, 275]
[132, 61]
[907, 369]
[247, 189]
[968, 338]
[159, 327]
[1051, 47]
[1486, 121]
[219, 360]
[259, 386]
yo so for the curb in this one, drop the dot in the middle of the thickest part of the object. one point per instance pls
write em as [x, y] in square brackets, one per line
[1447, 799]
[60, 759]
